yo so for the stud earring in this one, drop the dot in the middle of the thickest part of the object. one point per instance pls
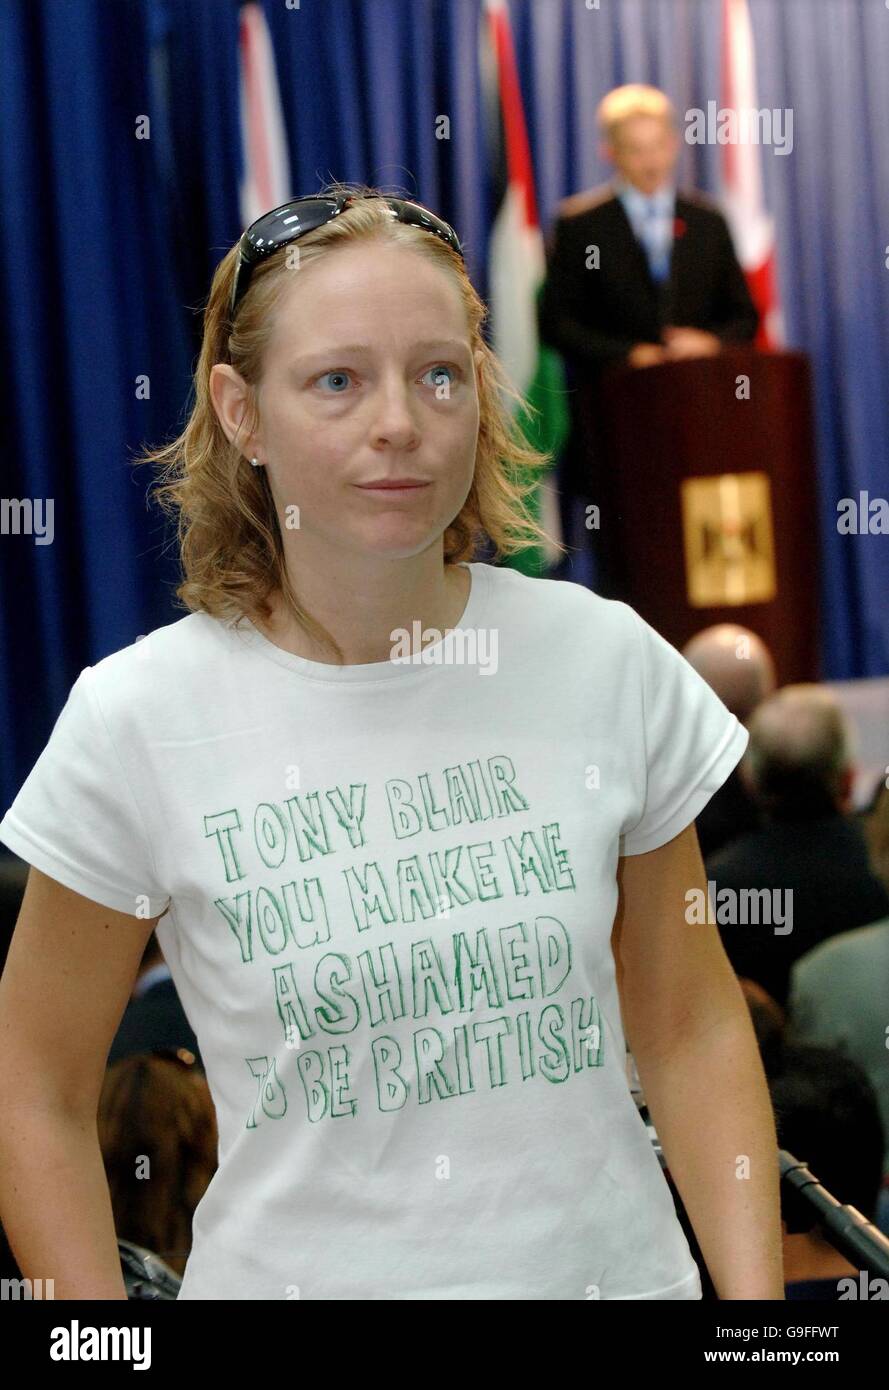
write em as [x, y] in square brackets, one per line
[255, 463]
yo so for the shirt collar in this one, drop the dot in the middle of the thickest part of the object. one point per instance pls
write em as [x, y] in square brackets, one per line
[664, 199]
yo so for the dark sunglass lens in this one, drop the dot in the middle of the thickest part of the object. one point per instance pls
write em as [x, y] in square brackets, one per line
[290, 221]
[421, 217]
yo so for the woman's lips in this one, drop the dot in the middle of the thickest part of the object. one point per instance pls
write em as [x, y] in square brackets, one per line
[396, 489]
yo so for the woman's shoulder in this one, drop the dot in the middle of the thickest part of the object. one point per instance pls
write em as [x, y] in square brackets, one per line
[543, 601]
[163, 666]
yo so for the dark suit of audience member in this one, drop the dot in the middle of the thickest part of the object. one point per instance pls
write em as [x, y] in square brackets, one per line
[154, 1019]
[824, 862]
[730, 813]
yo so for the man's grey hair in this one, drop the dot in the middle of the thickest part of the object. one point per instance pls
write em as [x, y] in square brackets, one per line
[799, 751]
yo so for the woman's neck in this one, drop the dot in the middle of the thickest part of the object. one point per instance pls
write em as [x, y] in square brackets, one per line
[363, 625]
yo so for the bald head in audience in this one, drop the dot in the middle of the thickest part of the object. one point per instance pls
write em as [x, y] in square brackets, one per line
[735, 663]
[798, 762]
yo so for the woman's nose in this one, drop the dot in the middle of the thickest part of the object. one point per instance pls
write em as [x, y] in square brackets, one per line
[394, 421]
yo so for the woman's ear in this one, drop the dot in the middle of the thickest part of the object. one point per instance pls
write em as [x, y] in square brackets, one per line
[230, 396]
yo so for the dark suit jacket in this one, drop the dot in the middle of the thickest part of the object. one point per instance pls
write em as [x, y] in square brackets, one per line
[730, 812]
[825, 863]
[154, 1020]
[593, 317]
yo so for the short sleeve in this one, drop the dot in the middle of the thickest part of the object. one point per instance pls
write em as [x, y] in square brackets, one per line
[76, 817]
[691, 743]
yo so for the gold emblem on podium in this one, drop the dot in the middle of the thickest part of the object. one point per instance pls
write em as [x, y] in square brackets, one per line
[728, 538]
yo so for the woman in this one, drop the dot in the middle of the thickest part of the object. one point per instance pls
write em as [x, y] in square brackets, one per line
[416, 832]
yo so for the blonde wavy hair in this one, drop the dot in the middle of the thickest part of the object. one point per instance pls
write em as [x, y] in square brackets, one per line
[229, 534]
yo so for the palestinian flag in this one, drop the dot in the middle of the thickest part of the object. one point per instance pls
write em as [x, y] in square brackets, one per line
[516, 271]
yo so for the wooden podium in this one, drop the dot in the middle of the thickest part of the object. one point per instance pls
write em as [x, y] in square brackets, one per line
[703, 471]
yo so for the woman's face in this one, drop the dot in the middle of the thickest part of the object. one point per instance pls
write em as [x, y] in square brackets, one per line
[369, 377]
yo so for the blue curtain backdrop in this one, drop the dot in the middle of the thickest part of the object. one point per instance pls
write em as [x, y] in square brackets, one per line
[109, 242]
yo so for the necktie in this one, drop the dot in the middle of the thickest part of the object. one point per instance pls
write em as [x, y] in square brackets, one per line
[658, 253]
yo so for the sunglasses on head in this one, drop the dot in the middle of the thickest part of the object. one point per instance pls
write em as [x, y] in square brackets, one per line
[301, 215]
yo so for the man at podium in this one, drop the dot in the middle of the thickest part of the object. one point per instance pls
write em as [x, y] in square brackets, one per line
[637, 272]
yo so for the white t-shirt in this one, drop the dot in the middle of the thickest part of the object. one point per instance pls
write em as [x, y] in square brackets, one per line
[390, 890]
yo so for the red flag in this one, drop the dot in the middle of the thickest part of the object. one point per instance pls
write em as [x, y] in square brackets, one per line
[752, 228]
[266, 181]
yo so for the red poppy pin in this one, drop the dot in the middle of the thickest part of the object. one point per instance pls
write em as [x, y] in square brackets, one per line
[679, 227]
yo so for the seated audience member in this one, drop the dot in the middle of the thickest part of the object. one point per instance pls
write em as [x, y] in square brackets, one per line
[804, 875]
[738, 666]
[154, 1017]
[157, 1132]
[838, 994]
[827, 1117]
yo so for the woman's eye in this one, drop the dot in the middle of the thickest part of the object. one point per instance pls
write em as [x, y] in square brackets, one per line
[336, 376]
[442, 374]
[438, 370]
